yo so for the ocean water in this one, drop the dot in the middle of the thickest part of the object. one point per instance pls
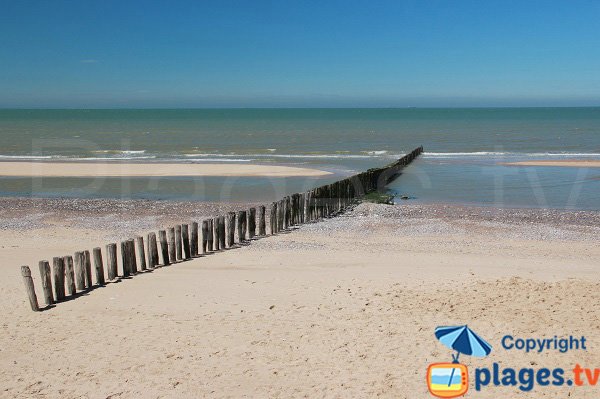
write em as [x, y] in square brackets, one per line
[464, 160]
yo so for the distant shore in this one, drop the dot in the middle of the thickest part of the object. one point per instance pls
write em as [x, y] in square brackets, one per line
[572, 163]
[135, 169]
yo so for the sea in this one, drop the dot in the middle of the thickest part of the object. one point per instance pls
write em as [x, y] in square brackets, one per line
[466, 152]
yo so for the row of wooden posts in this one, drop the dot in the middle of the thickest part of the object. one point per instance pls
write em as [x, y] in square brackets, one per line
[71, 276]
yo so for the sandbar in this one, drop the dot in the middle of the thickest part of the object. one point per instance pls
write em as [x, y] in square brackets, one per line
[130, 169]
[572, 163]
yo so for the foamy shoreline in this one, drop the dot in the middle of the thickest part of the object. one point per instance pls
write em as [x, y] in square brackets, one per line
[150, 169]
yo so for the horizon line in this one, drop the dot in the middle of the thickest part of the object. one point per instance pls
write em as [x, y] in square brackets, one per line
[296, 108]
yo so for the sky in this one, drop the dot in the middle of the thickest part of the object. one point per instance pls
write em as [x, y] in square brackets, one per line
[170, 54]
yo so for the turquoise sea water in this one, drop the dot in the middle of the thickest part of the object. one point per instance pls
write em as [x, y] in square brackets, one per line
[465, 150]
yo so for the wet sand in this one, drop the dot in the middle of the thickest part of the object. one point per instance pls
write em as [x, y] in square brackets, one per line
[572, 163]
[130, 169]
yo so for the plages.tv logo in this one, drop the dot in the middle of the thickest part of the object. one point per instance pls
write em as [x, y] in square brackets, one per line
[451, 380]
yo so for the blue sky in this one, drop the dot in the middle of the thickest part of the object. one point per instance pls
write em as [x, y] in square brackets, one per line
[299, 53]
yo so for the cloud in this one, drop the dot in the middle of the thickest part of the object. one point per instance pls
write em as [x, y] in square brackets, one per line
[89, 61]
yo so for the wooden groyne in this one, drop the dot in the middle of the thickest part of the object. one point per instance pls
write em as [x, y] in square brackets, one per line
[71, 276]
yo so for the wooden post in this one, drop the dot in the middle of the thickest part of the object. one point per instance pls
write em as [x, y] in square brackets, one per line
[111, 261]
[88, 269]
[273, 218]
[216, 237]
[178, 244]
[281, 216]
[244, 224]
[45, 275]
[185, 237]
[230, 229]
[209, 240]
[28, 281]
[194, 239]
[262, 224]
[131, 255]
[222, 232]
[99, 266]
[79, 271]
[70, 275]
[58, 274]
[251, 223]
[204, 246]
[164, 247]
[125, 259]
[153, 249]
[151, 263]
[285, 212]
[240, 226]
[139, 242]
[172, 253]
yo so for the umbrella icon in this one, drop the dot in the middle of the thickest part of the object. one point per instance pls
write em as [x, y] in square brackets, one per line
[464, 341]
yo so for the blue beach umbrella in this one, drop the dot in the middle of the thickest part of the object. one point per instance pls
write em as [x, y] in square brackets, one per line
[463, 340]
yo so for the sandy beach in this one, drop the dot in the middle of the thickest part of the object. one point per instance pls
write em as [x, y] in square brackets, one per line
[340, 308]
[572, 163]
[138, 169]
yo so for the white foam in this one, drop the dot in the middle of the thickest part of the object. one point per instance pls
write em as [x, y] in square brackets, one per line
[127, 152]
[30, 157]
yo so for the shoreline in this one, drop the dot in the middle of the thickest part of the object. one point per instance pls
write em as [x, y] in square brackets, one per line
[151, 169]
[178, 211]
[567, 163]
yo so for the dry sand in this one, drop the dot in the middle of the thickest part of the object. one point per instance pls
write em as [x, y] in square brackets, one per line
[573, 163]
[121, 169]
[344, 308]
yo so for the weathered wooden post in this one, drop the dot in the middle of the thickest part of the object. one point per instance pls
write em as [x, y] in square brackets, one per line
[178, 244]
[216, 234]
[131, 254]
[285, 213]
[151, 263]
[28, 281]
[222, 232]
[172, 253]
[88, 269]
[209, 239]
[294, 209]
[45, 275]
[141, 251]
[230, 229]
[306, 201]
[70, 275]
[139, 242]
[164, 247]
[194, 239]
[99, 266]
[262, 223]
[185, 237]
[79, 271]
[153, 249]
[273, 218]
[59, 278]
[240, 226]
[124, 259]
[204, 236]
[281, 215]
[251, 223]
[111, 261]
